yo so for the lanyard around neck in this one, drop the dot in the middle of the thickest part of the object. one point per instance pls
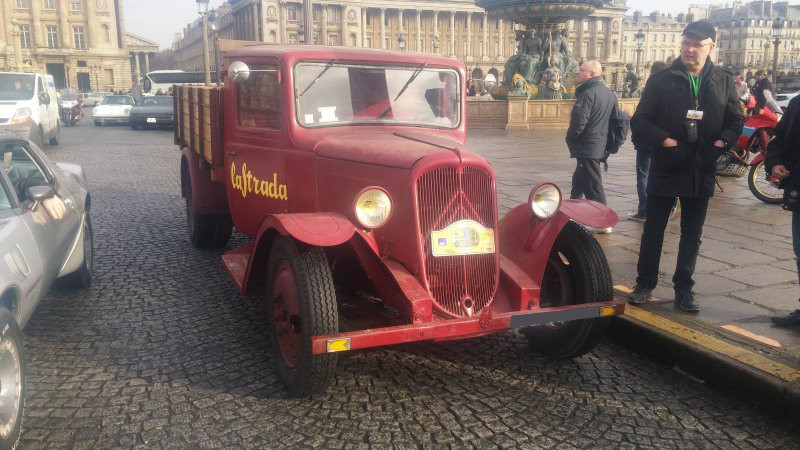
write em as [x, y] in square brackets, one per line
[694, 83]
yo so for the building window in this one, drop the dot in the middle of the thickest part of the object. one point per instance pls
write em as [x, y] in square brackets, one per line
[291, 12]
[369, 19]
[49, 4]
[316, 13]
[22, 4]
[259, 101]
[52, 36]
[106, 33]
[600, 25]
[585, 25]
[82, 63]
[369, 42]
[79, 37]
[293, 38]
[625, 55]
[333, 39]
[75, 5]
[25, 35]
[333, 15]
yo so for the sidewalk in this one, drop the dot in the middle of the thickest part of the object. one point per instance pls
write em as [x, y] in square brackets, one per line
[745, 273]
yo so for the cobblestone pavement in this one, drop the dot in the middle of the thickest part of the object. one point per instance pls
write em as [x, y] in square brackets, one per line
[161, 352]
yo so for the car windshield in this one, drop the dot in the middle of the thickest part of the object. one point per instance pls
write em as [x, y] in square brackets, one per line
[117, 100]
[16, 86]
[330, 94]
[156, 101]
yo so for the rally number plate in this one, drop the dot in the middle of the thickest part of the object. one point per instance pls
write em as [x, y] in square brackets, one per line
[465, 237]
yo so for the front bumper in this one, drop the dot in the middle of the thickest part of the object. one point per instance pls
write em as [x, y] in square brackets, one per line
[112, 119]
[487, 323]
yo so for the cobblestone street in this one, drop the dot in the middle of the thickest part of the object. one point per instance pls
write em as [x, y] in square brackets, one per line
[162, 352]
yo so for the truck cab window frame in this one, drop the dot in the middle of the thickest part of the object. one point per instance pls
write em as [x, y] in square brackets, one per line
[258, 100]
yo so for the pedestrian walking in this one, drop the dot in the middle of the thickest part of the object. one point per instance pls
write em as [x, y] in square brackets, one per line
[688, 114]
[783, 163]
[763, 92]
[587, 135]
[643, 155]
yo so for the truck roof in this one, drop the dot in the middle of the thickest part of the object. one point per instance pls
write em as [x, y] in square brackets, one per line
[327, 52]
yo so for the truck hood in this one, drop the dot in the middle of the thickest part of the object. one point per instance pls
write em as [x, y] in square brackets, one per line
[401, 149]
[7, 109]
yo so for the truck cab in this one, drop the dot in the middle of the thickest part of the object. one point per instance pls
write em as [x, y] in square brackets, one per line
[369, 221]
[29, 107]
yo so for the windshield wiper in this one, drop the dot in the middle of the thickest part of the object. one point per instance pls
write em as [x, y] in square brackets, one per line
[327, 66]
[411, 79]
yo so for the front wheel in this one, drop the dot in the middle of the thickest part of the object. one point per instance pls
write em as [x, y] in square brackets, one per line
[12, 380]
[577, 272]
[300, 304]
[762, 187]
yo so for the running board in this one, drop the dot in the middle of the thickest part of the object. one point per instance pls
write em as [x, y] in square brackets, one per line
[235, 262]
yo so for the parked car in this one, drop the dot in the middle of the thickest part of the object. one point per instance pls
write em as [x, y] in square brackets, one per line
[113, 109]
[784, 99]
[153, 111]
[29, 107]
[37, 249]
[92, 98]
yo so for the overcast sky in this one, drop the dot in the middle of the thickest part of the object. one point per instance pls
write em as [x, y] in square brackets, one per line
[159, 20]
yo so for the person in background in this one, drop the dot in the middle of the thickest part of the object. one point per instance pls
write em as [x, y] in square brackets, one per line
[643, 156]
[763, 93]
[783, 163]
[741, 87]
[471, 91]
[587, 135]
[688, 114]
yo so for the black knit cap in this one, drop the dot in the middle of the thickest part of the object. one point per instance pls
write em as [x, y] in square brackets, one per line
[702, 29]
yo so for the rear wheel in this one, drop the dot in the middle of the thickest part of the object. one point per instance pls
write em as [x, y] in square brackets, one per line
[762, 187]
[12, 380]
[205, 230]
[301, 304]
[577, 272]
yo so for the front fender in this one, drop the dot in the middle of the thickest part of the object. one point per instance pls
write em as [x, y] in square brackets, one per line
[527, 240]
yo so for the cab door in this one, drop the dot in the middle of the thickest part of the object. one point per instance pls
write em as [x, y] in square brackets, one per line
[255, 146]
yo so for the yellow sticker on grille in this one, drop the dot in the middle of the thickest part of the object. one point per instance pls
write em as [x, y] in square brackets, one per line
[465, 237]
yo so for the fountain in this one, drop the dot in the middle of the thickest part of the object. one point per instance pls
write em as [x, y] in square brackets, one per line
[543, 66]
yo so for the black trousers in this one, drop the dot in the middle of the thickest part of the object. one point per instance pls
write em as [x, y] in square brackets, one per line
[693, 216]
[587, 181]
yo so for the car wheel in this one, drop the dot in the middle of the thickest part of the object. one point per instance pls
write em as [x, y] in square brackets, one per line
[577, 270]
[12, 379]
[82, 278]
[301, 304]
[57, 138]
[205, 230]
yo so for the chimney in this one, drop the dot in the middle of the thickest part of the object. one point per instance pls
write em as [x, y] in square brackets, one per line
[637, 17]
[654, 16]
[761, 6]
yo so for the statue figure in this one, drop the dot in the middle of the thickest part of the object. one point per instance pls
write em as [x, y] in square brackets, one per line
[436, 42]
[520, 87]
[553, 88]
[631, 85]
[527, 61]
[556, 48]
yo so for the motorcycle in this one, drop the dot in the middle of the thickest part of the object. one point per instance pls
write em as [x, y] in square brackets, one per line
[757, 133]
[74, 115]
[733, 163]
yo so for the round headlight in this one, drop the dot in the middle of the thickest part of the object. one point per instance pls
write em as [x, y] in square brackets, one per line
[373, 207]
[545, 200]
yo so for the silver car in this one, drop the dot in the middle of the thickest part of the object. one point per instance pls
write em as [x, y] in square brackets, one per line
[37, 247]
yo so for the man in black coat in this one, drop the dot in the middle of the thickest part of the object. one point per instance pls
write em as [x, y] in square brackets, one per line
[688, 114]
[783, 163]
[587, 135]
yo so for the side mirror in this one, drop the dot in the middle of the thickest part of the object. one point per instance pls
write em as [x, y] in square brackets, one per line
[489, 81]
[44, 99]
[238, 72]
[38, 194]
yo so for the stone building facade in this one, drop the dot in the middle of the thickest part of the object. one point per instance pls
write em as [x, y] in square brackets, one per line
[455, 28]
[745, 36]
[662, 38]
[80, 42]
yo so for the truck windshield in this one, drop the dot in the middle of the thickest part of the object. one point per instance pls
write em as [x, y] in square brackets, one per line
[16, 86]
[367, 94]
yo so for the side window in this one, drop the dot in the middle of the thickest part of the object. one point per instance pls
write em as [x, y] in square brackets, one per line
[259, 101]
[40, 86]
[23, 171]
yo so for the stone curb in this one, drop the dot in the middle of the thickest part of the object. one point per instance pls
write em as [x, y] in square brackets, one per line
[779, 397]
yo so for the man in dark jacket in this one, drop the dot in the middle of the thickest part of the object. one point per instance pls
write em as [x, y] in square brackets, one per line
[783, 163]
[688, 114]
[587, 135]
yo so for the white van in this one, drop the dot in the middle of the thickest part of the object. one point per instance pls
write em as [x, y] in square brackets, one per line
[29, 107]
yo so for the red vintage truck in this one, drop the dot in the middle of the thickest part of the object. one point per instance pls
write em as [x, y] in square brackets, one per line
[369, 222]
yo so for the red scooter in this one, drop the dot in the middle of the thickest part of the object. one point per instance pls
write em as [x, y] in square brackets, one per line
[75, 113]
[757, 133]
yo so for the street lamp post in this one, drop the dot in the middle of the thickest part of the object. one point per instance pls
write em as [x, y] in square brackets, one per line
[213, 26]
[202, 9]
[777, 26]
[639, 37]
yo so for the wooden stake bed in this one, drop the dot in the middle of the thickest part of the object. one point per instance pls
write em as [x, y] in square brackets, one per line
[198, 121]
